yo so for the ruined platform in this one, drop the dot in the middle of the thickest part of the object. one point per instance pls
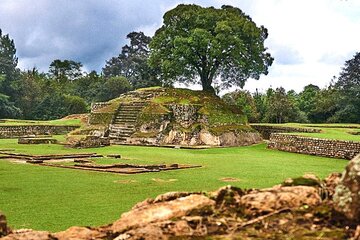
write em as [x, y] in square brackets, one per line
[123, 168]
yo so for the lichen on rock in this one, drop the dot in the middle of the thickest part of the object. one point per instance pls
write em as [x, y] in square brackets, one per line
[347, 193]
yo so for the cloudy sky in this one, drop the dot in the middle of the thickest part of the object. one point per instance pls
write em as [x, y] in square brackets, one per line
[310, 40]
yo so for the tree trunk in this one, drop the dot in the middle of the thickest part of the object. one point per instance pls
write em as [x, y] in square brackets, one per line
[206, 85]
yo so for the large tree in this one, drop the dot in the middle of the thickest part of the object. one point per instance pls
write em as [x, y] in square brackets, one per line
[132, 62]
[348, 86]
[198, 45]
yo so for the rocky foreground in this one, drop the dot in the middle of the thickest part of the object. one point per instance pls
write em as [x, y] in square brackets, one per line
[301, 208]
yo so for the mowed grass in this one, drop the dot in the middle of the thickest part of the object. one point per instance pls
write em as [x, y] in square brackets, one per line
[54, 199]
[19, 122]
[337, 131]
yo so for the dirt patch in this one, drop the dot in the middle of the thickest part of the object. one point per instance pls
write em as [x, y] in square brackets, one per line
[125, 181]
[229, 179]
[159, 180]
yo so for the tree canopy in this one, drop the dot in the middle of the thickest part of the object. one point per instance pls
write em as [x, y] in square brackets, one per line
[132, 62]
[198, 45]
[63, 70]
[348, 86]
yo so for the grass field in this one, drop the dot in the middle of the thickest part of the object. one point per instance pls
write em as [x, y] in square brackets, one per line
[18, 122]
[53, 198]
[338, 131]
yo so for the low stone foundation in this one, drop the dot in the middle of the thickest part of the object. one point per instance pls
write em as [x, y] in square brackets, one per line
[26, 140]
[267, 130]
[91, 142]
[314, 146]
[22, 130]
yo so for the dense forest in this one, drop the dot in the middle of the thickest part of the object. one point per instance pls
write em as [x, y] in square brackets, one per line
[66, 89]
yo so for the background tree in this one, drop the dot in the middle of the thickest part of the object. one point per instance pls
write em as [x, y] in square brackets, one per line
[29, 91]
[260, 101]
[244, 101]
[8, 63]
[65, 70]
[279, 106]
[88, 87]
[132, 63]
[197, 45]
[295, 115]
[348, 85]
[307, 101]
[112, 88]
[7, 108]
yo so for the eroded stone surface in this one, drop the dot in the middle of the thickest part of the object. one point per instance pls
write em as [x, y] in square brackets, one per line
[347, 193]
[74, 233]
[269, 200]
[161, 211]
[29, 235]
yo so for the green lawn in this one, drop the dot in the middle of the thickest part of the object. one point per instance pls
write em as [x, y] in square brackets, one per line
[335, 133]
[54, 198]
[17, 122]
[338, 131]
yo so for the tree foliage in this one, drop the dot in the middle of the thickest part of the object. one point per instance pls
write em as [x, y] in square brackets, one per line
[8, 63]
[112, 88]
[8, 59]
[197, 45]
[63, 70]
[132, 63]
[348, 85]
[244, 101]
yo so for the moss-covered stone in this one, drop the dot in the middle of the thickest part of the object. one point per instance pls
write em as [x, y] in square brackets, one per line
[177, 116]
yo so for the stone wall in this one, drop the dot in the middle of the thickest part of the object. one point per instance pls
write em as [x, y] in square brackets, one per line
[22, 130]
[266, 130]
[98, 105]
[314, 146]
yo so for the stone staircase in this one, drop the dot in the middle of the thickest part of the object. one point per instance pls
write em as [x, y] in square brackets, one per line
[124, 123]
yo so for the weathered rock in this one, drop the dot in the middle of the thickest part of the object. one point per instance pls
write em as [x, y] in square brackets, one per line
[161, 198]
[227, 197]
[331, 182]
[357, 233]
[3, 225]
[276, 198]
[347, 193]
[161, 211]
[208, 139]
[28, 234]
[308, 179]
[75, 233]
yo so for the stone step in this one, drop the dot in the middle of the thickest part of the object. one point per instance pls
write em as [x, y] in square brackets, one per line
[116, 139]
[123, 136]
[122, 127]
[119, 119]
[125, 120]
[126, 114]
[135, 105]
[129, 110]
[122, 131]
[131, 106]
